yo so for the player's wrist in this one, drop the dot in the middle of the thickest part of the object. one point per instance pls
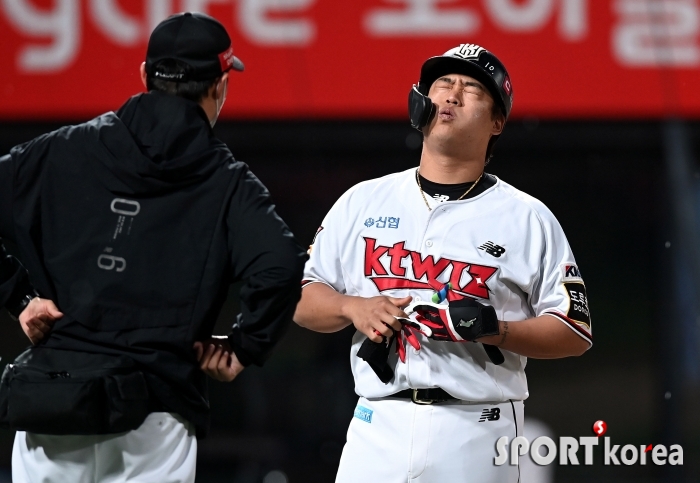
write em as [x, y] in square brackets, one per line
[496, 339]
[17, 305]
[503, 333]
[346, 306]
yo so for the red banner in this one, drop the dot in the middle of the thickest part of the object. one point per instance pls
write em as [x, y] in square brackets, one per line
[359, 58]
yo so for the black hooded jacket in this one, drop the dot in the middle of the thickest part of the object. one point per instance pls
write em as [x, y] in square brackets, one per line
[135, 223]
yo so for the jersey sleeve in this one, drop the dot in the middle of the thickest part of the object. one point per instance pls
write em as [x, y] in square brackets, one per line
[559, 290]
[324, 264]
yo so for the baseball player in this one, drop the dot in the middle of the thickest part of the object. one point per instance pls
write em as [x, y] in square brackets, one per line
[452, 278]
[132, 227]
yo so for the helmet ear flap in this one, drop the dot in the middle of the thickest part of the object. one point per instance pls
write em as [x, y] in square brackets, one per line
[420, 108]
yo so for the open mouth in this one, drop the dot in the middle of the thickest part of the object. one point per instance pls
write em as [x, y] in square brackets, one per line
[446, 114]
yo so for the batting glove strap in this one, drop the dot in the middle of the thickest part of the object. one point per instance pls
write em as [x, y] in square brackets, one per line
[376, 354]
[470, 320]
[459, 321]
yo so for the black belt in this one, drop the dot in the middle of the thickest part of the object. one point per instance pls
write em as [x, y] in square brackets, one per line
[425, 396]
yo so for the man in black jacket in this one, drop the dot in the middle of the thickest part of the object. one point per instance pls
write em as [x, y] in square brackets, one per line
[134, 224]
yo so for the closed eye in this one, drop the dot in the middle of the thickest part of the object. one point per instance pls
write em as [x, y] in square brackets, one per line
[473, 88]
[470, 87]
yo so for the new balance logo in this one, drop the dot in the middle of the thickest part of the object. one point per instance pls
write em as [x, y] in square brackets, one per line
[441, 198]
[492, 249]
[468, 323]
[490, 415]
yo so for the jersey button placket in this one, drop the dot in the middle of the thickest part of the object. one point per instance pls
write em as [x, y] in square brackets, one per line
[417, 364]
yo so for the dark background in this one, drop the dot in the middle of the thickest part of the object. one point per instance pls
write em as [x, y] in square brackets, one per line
[606, 183]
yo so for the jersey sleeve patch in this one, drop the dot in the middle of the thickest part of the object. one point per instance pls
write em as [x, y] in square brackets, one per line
[570, 272]
[578, 304]
[578, 316]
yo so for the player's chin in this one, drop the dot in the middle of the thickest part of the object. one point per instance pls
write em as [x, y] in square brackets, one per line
[441, 129]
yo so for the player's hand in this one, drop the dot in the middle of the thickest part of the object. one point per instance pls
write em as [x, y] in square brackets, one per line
[38, 318]
[376, 317]
[459, 321]
[217, 360]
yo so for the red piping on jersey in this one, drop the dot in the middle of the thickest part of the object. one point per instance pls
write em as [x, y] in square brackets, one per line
[575, 325]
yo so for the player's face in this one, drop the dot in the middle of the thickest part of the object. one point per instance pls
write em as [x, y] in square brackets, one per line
[464, 111]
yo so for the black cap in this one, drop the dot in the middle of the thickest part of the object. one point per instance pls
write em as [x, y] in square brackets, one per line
[196, 39]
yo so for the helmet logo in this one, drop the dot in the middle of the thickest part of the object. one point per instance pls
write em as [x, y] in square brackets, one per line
[469, 51]
[507, 86]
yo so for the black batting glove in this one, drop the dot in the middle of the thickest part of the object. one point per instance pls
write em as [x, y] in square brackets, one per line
[459, 321]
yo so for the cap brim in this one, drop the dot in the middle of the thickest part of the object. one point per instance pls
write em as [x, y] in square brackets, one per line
[237, 64]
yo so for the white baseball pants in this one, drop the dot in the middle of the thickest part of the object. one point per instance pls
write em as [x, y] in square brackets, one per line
[396, 441]
[162, 450]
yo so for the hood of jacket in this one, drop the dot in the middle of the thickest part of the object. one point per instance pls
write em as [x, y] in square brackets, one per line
[158, 141]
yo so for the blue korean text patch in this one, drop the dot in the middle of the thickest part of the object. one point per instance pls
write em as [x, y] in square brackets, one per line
[364, 414]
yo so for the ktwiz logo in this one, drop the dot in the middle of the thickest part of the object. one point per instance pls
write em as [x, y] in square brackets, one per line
[385, 267]
[568, 450]
[469, 51]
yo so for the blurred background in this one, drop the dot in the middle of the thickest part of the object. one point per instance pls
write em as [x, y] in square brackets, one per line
[605, 131]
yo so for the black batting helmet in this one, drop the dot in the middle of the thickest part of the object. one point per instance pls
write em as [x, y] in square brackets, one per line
[468, 59]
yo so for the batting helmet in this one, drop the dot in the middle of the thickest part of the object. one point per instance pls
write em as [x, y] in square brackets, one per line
[467, 59]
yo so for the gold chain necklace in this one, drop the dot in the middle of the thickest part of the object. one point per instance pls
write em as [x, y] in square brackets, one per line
[423, 193]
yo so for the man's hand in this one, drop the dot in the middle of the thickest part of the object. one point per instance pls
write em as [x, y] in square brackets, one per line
[217, 360]
[459, 321]
[38, 318]
[376, 317]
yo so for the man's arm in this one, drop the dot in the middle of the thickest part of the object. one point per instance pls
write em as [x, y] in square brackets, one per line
[7, 177]
[266, 256]
[322, 309]
[35, 315]
[15, 289]
[543, 337]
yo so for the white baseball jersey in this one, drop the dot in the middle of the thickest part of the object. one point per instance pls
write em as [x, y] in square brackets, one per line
[502, 247]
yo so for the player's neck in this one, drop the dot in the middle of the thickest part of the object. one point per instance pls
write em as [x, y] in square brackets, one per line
[209, 106]
[445, 169]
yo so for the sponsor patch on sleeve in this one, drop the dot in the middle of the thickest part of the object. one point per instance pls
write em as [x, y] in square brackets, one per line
[578, 303]
[570, 271]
